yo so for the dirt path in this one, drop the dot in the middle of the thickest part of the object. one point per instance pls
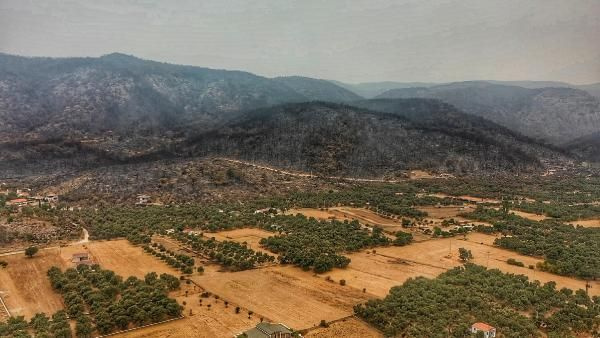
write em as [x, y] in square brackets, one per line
[297, 174]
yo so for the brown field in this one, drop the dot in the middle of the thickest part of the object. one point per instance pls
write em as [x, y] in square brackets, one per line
[588, 223]
[391, 266]
[217, 321]
[467, 198]
[349, 328]
[284, 294]
[127, 260]
[171, 244]
[24, 286]
[26, 290]
[446, 212]
[251, 236]
[529, 215]
[364, 216]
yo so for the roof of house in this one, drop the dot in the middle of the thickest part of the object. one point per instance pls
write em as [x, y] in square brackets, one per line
[266, 329]
[81, 254]
[483, 326]
[18, 200]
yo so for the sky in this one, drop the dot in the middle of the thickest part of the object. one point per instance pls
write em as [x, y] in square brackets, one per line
[351, 41]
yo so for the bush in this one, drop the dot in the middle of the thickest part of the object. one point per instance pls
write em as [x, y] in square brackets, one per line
[513, 261]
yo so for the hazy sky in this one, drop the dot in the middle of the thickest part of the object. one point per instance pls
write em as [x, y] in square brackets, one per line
[352, 41]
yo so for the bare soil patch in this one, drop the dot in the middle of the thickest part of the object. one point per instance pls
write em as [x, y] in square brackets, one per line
[349, 328]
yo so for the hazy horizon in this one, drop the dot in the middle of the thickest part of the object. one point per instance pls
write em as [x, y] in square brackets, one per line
[348, 41]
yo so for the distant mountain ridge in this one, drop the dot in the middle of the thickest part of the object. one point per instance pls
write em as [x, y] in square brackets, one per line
[556, 115]
[73, 97]
[70, 114]
[373, 89]
[318, 90]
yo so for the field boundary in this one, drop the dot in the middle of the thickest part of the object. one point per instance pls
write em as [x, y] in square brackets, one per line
[4, 307]
[141, 327]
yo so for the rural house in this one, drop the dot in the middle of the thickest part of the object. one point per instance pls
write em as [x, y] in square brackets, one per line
[488, 330]
[143, 199]
[268, 330]
[18, 202]
[81, 258]
[51, 198]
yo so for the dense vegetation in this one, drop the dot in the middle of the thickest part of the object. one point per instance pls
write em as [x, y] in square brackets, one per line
[112, 302]
[335, 139]
[229, 254]
[567, 250]
[43, 326]
[310, 243]
[448, 305]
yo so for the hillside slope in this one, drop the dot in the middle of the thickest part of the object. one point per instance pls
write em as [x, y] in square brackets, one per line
[346, 140]
[556, 115]
[71, 97]
[317, 90]
[586, 147]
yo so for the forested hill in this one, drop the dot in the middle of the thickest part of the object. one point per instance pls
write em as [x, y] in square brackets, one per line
[43, 98]
[340, 139]
[587, 147]
[318, 90]
[555, 115]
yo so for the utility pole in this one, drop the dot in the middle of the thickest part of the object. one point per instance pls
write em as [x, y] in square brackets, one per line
[587, 287]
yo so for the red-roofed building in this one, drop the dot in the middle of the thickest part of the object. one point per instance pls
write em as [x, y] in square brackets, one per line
[17, 202]
[488, 330]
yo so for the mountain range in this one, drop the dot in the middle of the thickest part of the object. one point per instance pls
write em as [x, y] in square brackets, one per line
[556, 115]
[75, 113]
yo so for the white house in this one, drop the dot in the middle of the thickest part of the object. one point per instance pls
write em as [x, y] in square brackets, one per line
[488, 330]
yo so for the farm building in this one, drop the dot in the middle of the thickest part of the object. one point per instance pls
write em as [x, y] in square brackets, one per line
[81, 258]
[268, 330]
[488, 330]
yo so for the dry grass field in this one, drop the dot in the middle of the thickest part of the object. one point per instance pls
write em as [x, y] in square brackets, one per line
[468, 198]
[439, 213]
[347, 328]
[529, 215]
[364, 216]
[127, 260]
[218, 320]
[284, 294]
[251, 236]
[588, 223]
[24, 286]
[391, 266]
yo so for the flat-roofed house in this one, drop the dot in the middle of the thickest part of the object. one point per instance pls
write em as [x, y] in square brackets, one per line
[268, 330]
